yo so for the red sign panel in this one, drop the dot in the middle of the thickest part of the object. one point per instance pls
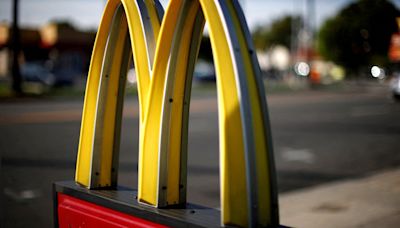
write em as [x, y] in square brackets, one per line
[74, 212]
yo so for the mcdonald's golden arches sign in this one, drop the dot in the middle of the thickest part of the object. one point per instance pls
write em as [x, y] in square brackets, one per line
[164, 48]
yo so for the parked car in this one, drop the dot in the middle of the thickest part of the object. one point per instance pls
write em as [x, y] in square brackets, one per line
[204, 72]
[33, 72]
[395, 87]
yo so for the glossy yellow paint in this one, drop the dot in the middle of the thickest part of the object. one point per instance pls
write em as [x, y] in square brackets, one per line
[173, 109]
[232, 166]
[149, 143]
[141, 56]
[161, 92]
[155, 22]
[111, 107]
[83, 168]
[263, 181]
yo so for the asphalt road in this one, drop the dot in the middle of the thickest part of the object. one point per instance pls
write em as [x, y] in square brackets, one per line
[319, 136]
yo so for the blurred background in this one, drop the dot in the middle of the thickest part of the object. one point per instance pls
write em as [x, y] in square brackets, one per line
[331, 71]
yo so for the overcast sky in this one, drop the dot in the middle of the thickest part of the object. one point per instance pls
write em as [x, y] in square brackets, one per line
[86, 14]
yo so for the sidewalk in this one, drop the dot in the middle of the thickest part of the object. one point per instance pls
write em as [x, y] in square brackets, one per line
[367, 202]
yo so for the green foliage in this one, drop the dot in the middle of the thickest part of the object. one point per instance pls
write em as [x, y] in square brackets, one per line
[359, 35]
[279, 32]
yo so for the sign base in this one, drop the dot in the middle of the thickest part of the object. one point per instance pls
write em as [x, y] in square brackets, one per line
[76, 206]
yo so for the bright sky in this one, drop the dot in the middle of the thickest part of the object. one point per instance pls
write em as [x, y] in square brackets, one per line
[87, 13]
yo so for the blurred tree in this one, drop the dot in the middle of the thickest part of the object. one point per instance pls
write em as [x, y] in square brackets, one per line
[359, 35]
[279, 32]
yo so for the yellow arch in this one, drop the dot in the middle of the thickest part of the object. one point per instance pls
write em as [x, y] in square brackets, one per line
[248, 194]
[142, 57]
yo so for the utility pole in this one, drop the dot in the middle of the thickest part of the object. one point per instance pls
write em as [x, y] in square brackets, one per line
[311, 26]
[16, 48]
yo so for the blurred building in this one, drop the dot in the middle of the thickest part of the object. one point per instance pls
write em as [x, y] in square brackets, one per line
[62, 49]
